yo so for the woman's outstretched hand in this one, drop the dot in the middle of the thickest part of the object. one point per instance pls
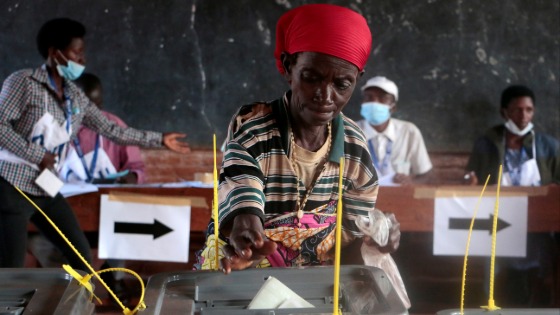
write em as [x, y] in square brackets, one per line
[171, 141]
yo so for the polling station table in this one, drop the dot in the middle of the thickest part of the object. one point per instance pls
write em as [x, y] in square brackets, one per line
[414, 209]
[413, 206]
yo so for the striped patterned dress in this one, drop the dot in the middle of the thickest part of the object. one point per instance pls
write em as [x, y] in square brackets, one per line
[258, 178]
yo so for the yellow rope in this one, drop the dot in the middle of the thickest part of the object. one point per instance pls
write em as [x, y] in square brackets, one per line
[84, 281]
[491, 304]
[468, 244]
[215, 208]
[338, 235]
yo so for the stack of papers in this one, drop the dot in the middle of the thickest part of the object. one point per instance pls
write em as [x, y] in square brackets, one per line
[73, 189]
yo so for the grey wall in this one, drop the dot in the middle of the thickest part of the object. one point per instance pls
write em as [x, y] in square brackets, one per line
[188, 65]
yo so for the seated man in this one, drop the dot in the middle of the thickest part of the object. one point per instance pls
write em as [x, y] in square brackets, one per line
[529, 158]
[396, 146]
[98, 159]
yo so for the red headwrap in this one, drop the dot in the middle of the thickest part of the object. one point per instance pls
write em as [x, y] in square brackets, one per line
[324, 28]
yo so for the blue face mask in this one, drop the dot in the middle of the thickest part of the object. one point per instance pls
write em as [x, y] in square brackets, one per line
[375, 113]
[72, 71]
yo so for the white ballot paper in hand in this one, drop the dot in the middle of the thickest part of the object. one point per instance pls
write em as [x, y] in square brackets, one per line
[275, 295]
[49, 182]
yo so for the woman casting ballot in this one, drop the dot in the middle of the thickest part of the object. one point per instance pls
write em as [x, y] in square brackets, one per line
[278, 189]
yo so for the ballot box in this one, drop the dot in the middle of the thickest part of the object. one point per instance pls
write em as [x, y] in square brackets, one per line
[42, 291]
[503, 311]
[363, 290]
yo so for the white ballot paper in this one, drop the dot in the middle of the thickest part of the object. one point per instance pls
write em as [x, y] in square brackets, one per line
[275, 295]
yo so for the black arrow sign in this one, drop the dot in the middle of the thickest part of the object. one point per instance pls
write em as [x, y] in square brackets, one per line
[479, 224]
[156, 229]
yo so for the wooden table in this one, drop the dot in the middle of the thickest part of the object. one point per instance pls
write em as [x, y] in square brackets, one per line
[86, 206]
[413, 206]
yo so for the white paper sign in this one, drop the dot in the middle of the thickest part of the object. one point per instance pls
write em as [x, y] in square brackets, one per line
[452, 220]
[145, 228]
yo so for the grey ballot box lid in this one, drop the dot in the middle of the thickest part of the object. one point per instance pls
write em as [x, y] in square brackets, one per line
[504, 311]
[363, 290]
[42, 291]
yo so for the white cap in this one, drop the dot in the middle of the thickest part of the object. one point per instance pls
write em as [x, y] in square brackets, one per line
[384, 84]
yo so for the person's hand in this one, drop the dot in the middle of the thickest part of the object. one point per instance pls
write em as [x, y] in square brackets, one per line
[130, 178]
[402, 179]
[394, 235]
[171, 141]
[48, 162]
[248, 244]
[470, 179]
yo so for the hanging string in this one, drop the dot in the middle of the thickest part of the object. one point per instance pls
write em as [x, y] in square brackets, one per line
[84, 281]
[491, 304]
[215, 209]
[468, 244]
[338, 236]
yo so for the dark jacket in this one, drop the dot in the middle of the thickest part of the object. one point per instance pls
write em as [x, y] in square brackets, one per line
[489, 150]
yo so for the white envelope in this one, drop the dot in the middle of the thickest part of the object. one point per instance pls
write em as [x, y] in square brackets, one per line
[49, 182]
[275, 295]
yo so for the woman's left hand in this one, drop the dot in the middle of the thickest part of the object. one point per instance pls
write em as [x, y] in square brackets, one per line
[394, 235]
[171, 141]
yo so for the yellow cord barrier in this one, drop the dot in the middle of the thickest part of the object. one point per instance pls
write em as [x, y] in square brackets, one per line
[215, 209]
[468, 244]
[84, 281]
[338, 236]
[491, 304]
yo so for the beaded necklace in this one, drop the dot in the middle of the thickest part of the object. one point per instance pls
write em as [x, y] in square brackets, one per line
[300, 204]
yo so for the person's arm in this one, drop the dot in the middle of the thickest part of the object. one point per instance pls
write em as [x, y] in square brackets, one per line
[470, 179]
[132, 160]
[420, 163]
[474, 163]
[248, 244]
[242, 199]
[96, 121]
[129, 158]
[13, 103]
[394, 240]
[556, 168]
[420, 179]
[361, 195]
[351, 254]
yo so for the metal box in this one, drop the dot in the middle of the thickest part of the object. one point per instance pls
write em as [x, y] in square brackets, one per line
[42, 291]
[364, 290]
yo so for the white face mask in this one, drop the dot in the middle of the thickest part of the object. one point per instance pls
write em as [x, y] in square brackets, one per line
[512, 127]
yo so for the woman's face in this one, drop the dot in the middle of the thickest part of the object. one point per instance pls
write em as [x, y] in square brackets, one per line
[321, 86]
[75, 51]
